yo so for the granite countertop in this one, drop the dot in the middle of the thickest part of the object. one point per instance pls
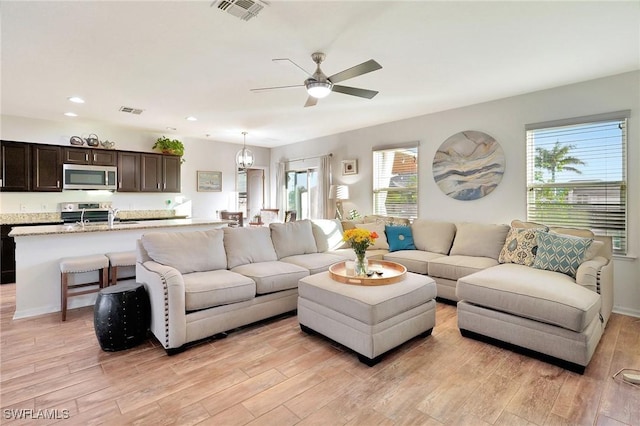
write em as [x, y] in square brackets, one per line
[54, 217]
[23, 231]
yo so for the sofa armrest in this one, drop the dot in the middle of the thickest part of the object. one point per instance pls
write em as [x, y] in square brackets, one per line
[597, 275]
[167, 296]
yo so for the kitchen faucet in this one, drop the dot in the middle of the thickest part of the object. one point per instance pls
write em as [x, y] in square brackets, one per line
[112, 215]
[82, 221]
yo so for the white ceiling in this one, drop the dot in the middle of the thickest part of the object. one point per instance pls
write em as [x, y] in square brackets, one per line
[178, 59]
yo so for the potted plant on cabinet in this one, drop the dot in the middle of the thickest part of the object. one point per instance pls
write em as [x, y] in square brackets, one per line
[169, 146]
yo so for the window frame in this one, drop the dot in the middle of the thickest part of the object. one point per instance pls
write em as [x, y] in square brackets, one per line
[603, 217]
[411, 191]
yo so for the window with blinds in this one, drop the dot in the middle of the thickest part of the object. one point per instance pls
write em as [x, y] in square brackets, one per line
[395, 181]
[576, 175]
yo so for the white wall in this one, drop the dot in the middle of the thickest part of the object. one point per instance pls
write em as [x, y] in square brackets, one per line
[200, 154]
[503, 119]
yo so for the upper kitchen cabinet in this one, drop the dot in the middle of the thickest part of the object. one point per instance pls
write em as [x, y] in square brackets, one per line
[15, 163]
[47, 168]
[128, 171]
[98, 157]
[159, 173]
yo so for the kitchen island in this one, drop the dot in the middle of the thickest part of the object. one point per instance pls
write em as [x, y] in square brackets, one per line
[40, 248]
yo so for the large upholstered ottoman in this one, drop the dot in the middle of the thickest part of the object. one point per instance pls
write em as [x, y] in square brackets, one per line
[370, 320]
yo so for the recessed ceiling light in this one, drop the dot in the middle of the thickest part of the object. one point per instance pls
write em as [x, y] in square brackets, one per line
[70, 114]
[171, 128]
[191, 118]
[76, 100]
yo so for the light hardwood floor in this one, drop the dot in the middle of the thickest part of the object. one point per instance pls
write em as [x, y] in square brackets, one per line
[274, 374]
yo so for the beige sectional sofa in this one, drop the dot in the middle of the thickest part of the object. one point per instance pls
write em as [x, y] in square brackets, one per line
[204, 283]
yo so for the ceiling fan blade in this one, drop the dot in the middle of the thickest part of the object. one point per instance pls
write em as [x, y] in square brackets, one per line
[354, 91]
[311, 101]
[287, 59]
[275, 87]
[363, 68]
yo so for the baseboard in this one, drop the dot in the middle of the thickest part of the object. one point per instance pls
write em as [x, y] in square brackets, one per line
[626, 311]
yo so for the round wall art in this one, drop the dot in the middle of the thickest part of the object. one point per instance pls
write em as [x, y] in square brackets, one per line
[468, 165]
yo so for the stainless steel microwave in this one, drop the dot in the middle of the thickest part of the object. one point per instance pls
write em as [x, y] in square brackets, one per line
[78, 176]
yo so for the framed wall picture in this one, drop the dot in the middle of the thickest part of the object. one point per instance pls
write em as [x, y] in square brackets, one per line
[209, 181]
[350, 167]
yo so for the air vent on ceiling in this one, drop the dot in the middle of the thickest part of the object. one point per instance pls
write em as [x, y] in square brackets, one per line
[243, 9]
[136, 111]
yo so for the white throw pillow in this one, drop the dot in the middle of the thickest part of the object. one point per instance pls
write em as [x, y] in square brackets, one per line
[194, 251]
[293, 238]
[381, 242]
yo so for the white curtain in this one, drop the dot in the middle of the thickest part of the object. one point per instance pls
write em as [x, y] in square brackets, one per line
[281, 188]
[324, 183]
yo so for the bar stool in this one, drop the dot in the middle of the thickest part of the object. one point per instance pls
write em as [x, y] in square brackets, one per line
[77, 265]
[121, 258]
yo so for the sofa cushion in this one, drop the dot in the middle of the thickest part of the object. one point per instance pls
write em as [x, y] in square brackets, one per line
[455, 267]
[248, 245]
[479, 239]
[415, 261]
[561, 253]
[328, 234]
[433, 236]
[214, 288]
[386, 220]
[314, 262]
[192, 251]
[520, 247]
[293, 238]
[272, 276]
[531, 293]
[528, 225]
[399, 238]
[378, 228]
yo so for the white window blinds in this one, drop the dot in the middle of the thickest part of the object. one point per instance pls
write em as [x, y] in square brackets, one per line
[395, 181]
[576, 175]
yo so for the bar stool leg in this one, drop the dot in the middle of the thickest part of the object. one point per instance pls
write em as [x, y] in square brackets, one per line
[63, 295]
[114, 275]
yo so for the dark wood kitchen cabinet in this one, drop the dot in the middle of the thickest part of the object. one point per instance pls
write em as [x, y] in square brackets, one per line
[47, 168]
[7, 256]
[159, 173]
[128, 172]
[16, 169]
[97, 157]
[31, 167]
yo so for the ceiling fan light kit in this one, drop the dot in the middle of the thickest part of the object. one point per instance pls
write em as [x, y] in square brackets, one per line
[318, 89]
[320, 86]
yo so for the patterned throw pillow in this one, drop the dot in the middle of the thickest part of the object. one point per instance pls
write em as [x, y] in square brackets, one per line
[560, 253]
[520, 247]
[399, 238]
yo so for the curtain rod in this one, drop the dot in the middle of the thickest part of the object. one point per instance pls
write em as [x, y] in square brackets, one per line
[307, 158]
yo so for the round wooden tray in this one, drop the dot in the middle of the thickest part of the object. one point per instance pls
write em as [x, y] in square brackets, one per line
[391, 273]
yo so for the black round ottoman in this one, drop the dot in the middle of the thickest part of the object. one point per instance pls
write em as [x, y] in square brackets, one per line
[121, 316]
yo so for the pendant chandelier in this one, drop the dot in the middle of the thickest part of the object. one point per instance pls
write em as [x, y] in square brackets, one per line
[244, 157]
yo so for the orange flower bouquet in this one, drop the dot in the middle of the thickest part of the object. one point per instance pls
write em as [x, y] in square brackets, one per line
[360, 239]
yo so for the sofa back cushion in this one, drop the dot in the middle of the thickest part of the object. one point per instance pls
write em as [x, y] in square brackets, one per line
[248, 245]
[193, 251]
[293, 238]
[328, 234]
[479, 239]
[429, 235]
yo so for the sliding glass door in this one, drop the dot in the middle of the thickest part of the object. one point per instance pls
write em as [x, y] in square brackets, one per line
[302, 193]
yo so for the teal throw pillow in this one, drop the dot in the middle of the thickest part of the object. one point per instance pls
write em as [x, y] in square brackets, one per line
[560, 253]
[399, 238]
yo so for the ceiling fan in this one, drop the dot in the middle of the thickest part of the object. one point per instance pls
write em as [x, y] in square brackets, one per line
[318, 85]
